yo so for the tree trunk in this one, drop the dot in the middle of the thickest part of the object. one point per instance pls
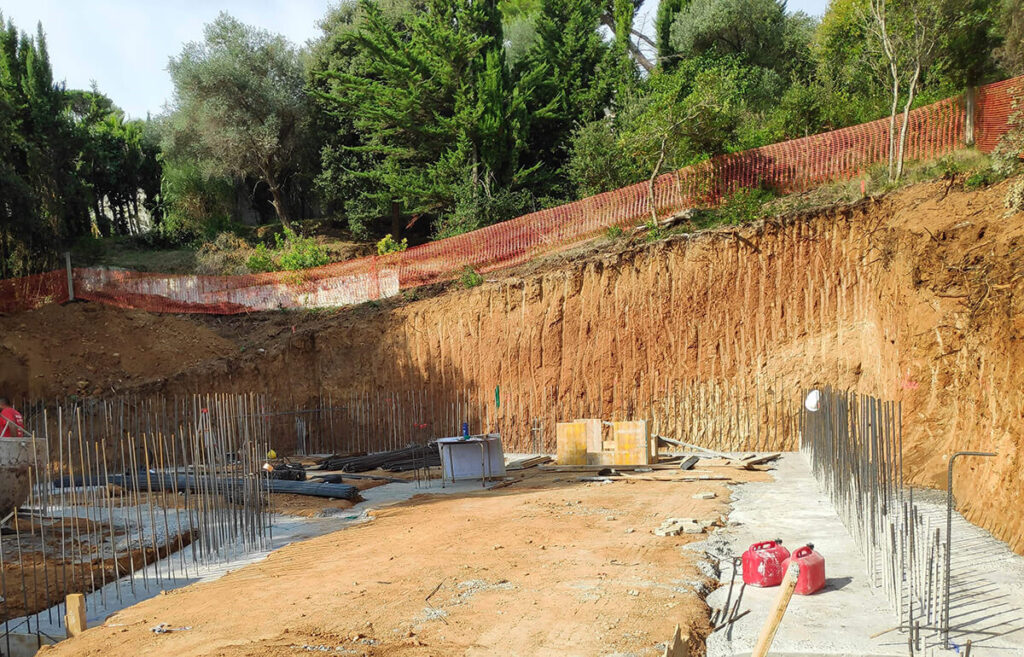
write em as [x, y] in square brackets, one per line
[396, 221]
[892, 126]
[102, 220]
[911, 91]
[280, 206]
[650, 183]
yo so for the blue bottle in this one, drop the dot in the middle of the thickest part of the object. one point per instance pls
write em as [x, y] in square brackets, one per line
[465, 430]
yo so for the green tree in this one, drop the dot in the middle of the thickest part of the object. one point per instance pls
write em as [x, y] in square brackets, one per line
[440, 119]
[754, 32]
[907, 34]
[43, 200]
[239, 106]
[1011, 25]
[577, 84]
[667, 12]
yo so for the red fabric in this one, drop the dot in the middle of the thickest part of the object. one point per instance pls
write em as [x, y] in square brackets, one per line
[9, 417]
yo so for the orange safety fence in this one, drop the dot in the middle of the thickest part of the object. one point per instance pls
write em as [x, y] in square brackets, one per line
[792, 166]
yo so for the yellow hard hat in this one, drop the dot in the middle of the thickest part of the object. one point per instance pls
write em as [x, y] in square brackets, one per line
[271, 454]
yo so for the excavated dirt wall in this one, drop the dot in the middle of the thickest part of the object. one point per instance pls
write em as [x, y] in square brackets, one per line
[916, 296]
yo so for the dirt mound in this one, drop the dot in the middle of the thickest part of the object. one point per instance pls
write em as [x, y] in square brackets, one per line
[87, 348]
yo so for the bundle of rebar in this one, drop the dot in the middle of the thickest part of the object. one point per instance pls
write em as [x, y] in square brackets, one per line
[398, 460]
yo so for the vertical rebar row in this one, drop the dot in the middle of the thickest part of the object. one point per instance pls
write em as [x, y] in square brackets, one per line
[854, 443]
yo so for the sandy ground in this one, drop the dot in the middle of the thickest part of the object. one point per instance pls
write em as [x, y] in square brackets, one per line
[546, 566]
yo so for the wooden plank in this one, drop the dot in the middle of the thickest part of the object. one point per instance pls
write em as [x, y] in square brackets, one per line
[689, 462]
[571, 443]
[760, 460]
[678, 646]
[74, 619]
[679, 443]
[771, 624]
[525, 464]
[598, 468]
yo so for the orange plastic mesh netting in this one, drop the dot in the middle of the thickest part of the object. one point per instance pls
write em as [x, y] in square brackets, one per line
[791, 166]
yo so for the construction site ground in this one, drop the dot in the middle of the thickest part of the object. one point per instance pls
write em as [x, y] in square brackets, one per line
[548, 565]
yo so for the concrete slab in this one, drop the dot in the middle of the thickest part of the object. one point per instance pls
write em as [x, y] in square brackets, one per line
[835, 622]
[986, 589]
[986, 593]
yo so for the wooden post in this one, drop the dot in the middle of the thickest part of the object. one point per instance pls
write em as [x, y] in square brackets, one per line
[771, 624]
[71, 285]
[74, 619]
[678, 646]
[970, 103]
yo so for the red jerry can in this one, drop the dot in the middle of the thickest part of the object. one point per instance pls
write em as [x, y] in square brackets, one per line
[812, 569]
[762, 563]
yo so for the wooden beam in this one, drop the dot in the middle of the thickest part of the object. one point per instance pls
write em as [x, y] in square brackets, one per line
[771, 624]
[74, 619]
[678, 646]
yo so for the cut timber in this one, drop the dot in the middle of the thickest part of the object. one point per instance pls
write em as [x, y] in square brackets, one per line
[678, 646]
[524, 464]
[74, 619]
[771, 624]
[679, 443]
[598, 468]
[688, 478]
[749, 462]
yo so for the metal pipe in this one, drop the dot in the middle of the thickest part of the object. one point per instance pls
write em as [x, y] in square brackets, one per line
[949, 533]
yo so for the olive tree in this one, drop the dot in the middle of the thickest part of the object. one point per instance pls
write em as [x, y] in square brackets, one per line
[239, 105]
[906, 32]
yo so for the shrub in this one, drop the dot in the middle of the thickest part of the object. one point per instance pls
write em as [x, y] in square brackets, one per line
[743, 206]
[613, 232]
[388, 244]
[654, 231]
[226, 255]
[300, 252]
[261, 260]
[470, 278]
[1006, 158]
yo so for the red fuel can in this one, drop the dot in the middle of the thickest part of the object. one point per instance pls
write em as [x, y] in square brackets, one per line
[763, 563]
[812, 570]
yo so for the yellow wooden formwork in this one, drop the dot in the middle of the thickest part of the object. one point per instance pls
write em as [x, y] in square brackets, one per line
[632, 443]
[592, 429]
[571, 441]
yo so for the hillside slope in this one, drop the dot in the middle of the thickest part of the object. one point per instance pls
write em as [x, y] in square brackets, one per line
[917, 296]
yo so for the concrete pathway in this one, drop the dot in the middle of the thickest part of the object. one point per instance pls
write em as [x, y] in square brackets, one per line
[987, 589]
[987, 585]
[837, 621]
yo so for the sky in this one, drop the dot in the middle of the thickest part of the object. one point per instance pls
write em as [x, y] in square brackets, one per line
[124, 45]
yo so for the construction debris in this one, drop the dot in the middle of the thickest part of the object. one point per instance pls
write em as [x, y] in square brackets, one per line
[748, 462]
[688, 462]
[529, 462]
[677, 526]
[228, 486]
